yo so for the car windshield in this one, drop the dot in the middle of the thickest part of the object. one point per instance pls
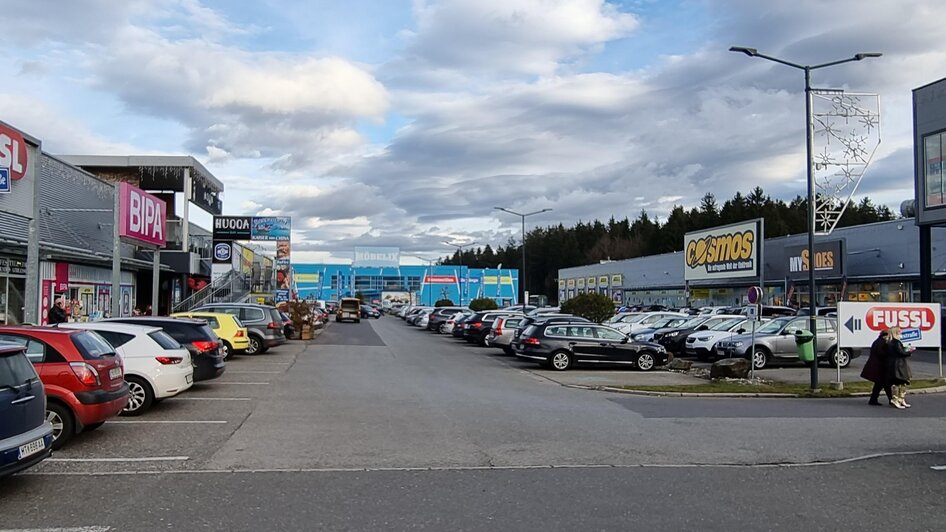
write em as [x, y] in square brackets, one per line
[727, 324]
[693, 322]
[773, 326]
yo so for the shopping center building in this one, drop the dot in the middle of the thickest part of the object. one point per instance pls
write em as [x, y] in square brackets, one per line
[873, 262]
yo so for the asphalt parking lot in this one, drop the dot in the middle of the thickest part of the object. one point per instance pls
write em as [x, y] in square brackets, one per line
[183, 432]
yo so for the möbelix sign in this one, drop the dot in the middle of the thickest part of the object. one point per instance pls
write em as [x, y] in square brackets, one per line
[860, 323]
[142, 217]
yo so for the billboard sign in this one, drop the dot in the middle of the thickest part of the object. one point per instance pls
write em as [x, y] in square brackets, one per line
[271, 228]
[860, 323]
[232, 227]
[142, 217]
[440, 279]
[13, 152]
[377, 257]
[829, 259]
[724, 252]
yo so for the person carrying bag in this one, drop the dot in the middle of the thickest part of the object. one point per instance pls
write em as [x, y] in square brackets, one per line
[898, 368]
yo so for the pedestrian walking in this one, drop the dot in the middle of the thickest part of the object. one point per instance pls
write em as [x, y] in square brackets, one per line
[875, 369]
[57, 314]
[898, 368]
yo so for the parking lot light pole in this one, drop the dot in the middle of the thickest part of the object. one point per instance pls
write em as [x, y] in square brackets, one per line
[430, 272]
[522, 274]
[812, 289]
[460, 253]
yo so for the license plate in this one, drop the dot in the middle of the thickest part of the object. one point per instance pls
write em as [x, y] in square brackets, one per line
[115, 373]
[188, 379]
[32, 448]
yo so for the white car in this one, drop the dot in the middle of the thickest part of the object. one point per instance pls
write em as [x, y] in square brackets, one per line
[447, 326]
[702, 344]
[643, 321]
[156, 365]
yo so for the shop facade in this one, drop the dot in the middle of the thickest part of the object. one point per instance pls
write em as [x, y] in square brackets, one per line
[873, 262]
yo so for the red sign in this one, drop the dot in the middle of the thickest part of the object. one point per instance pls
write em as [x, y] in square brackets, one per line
[142, 216]
[62, 277]
[440, 279]
[13, 154]
[881, 318]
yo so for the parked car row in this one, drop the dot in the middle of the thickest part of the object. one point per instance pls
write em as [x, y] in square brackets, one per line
[58, 381]
[547, 336]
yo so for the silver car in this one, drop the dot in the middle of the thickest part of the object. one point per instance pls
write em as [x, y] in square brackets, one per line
[503, 332]
[775, 342]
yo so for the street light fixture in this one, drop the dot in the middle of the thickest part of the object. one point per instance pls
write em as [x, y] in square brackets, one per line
[460, 253]
[522, 274]
[812, 308]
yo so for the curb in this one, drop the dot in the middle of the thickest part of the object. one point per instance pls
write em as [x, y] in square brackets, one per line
[935, 389]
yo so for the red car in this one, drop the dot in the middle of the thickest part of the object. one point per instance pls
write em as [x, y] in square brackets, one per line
[83, 377]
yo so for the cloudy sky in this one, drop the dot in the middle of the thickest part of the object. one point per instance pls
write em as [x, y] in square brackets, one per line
[403, 123]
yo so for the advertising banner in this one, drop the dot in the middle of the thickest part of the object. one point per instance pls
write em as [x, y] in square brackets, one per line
[271, 228]
[494, 279]
[282, 249]
[282, 296]
[391, 298]
[283, 275]
[617, 279]
[376, 257]
[829, 259]
[13, 152]
[5, 181]
[602, 281]
[724, 252]
[307, 278]
[233, 228]
[591, 283]
[142, 217]
[860, 323]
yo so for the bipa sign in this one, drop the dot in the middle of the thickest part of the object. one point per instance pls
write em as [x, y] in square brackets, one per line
[142, 216]
[860, 323]
[13, 152]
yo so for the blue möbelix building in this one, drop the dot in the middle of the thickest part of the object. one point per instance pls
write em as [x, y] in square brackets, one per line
[417, 284]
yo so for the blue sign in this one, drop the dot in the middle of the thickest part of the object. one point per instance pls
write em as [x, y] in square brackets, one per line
[282, 296]
[271, 228]
[4, 180]
[910, 335]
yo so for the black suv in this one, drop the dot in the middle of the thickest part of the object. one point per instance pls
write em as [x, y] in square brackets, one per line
[195, 335]
[562, 345]
[26, 438]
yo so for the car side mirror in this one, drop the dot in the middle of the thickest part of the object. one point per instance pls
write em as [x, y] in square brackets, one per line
[624, 340]
[740, 331]
[702, 328]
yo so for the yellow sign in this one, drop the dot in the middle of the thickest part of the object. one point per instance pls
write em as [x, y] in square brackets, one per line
[603, 281]
[493, 279]
[617, 279]
[570, 283]
[307, 277]
[723, 252]
[699, 293]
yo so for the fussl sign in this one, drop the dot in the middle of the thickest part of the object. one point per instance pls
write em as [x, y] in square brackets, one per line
[860, 323]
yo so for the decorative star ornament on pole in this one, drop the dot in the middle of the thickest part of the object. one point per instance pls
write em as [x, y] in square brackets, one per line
[846, 128]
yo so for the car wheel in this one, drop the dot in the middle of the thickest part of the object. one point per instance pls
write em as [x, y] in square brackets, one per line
[760, 358]
[255, 347]
[483, 340]
[64, 427]
[443, 328]
[227, 349]
[645, 361]
[560, 360]
[140, 396]
[840, 358]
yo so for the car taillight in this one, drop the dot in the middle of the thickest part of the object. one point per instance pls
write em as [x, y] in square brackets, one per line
[239, 334]
[85, 373]
[531, 341]
[169, 360]
[204, 346]
[499, 327]
[274, 325]
[476, 325]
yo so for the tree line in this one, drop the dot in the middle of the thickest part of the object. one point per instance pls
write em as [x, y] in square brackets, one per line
[554, 247]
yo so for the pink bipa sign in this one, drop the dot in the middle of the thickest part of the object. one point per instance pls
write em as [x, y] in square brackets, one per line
[142, 217]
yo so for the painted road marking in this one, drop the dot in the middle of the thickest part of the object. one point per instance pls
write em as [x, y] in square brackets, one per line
[256, 371]
[141, 459]
[168, 422]
[938, 468]
[209, 399]
[67, 529]
[245, 383]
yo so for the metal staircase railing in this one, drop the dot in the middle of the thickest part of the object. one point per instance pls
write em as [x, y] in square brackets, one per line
[232, 287]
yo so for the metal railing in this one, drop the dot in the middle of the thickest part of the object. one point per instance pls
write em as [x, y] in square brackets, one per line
[231, 288]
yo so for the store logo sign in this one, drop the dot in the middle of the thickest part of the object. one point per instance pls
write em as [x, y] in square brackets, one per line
[13, 153]
[4, 181]
[222, 251]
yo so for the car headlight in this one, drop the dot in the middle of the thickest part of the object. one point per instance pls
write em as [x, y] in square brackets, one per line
[737, 344]
[702, 338]
[637, 337]
[672, 334]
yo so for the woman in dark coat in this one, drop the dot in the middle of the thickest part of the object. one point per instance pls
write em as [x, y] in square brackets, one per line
[898, 369]
[875, 370]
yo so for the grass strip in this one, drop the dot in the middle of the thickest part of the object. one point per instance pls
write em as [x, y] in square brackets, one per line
[802, 390]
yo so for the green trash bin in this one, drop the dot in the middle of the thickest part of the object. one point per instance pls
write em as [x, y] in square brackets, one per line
[804, 345]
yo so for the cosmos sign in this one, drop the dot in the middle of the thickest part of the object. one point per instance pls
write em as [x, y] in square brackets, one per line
[724, 252]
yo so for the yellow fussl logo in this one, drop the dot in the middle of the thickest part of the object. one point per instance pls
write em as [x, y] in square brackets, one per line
[716, 249]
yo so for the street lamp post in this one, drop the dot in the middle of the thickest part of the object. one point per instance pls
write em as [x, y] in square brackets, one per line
[522, 274]
[812, 307]
[460, 253]
[430, 272]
